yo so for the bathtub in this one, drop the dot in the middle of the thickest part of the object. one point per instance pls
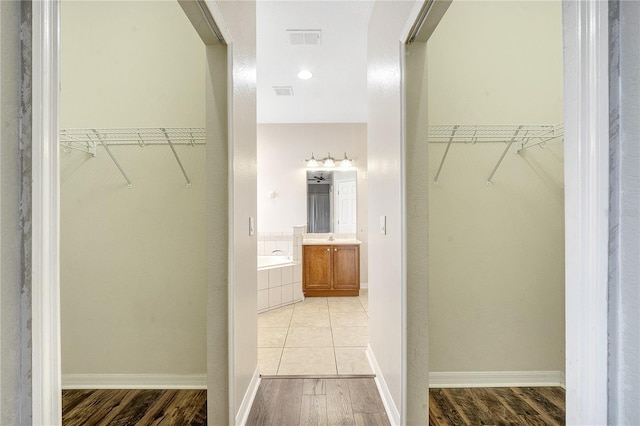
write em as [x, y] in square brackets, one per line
[279, 282]
[266, 262]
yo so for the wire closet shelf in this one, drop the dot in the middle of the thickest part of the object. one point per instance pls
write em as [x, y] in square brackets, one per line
[87, 140]
[524, 136]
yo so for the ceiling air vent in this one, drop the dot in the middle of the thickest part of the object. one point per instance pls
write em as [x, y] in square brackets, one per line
[283, 90]
[305, 37]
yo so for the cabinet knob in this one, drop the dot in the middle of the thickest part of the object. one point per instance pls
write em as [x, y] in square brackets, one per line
[328, 249]
[335, 249]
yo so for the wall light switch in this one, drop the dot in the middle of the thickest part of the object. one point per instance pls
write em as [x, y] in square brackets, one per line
[252, 226]
[383, 225]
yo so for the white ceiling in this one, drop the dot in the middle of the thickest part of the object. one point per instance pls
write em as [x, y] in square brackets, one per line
[337, 93]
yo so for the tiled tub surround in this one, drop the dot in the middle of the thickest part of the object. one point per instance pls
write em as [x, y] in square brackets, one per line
[279, 285]
[319, 336]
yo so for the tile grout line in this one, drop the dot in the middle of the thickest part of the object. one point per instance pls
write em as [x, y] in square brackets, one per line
[284, 344]
[333, 342]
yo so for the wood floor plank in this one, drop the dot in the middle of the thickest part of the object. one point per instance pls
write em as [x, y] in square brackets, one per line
[200, 417]
[364, 396]
[533, 421]
[488, 402]
[514, 402]
[289, 402]
[72, 397]
[314, 387]
[136, 409]
[371, 419]
[155, 413]
[263, 409]
[452, 416]
[111, 404]
[544, 407]
[463, 401]
[554, 394]
[436, 416]
[85, 409]
[314, 410]
[339, 411]
[182, 409]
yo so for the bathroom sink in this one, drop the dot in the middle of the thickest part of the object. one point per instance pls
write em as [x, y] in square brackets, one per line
[326, 241]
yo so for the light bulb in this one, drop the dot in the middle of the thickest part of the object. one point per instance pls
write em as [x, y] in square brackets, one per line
[329, 162]
[305, 75]
[346, 162]
[312, 162]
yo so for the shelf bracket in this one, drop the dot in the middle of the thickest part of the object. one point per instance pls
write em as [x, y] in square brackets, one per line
[175, 154]
[88, 147]
[444, 156]
[115, 161]
[504, 153]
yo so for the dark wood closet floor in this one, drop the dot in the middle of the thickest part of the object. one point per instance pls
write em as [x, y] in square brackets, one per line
[497, 406]
[111, 407]
[285, 402]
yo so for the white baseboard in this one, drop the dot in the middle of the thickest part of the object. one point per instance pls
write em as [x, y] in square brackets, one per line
[134, 381]
[247, 401]
[385, 394]
[480, 379]
[364, 286]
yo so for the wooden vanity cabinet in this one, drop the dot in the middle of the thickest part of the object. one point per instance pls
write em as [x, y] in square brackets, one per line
[331, 270]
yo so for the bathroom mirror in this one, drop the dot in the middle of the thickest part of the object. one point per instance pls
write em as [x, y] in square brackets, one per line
[331, 201]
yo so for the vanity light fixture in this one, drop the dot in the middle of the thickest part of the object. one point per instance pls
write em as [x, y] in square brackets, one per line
[312, 162]
[329, 162]
[346, 161]
[305, 75]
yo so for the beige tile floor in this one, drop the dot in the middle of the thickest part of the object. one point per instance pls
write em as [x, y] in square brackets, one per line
[319, 336]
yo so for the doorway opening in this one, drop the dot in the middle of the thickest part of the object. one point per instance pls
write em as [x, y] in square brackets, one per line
[312, 189]
[143, 134]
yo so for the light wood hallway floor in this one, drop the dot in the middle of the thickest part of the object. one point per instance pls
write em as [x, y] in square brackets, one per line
[307, 401]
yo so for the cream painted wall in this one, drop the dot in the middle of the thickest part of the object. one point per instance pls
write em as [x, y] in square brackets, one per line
[119, 60]
[133, 275]
[282, 149]
[239, 23]
[385, 157]
[496, 265]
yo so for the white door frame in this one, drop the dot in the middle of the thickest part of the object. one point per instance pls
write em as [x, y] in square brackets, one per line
[585, 29]
[45, 280]
[586, 161]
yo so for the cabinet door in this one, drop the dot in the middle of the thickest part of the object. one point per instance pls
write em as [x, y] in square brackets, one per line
[316, 268]
[346, 267]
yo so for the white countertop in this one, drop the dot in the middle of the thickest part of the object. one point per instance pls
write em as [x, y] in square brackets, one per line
[327, 242]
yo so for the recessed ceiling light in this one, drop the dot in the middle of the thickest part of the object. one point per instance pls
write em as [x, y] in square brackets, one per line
[305, 75]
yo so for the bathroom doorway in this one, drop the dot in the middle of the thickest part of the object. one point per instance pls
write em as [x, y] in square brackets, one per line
[312, 187]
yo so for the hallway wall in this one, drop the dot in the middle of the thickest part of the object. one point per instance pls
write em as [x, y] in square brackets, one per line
[239, 19]
[385, 158]
[496, 253]
[133, 271]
